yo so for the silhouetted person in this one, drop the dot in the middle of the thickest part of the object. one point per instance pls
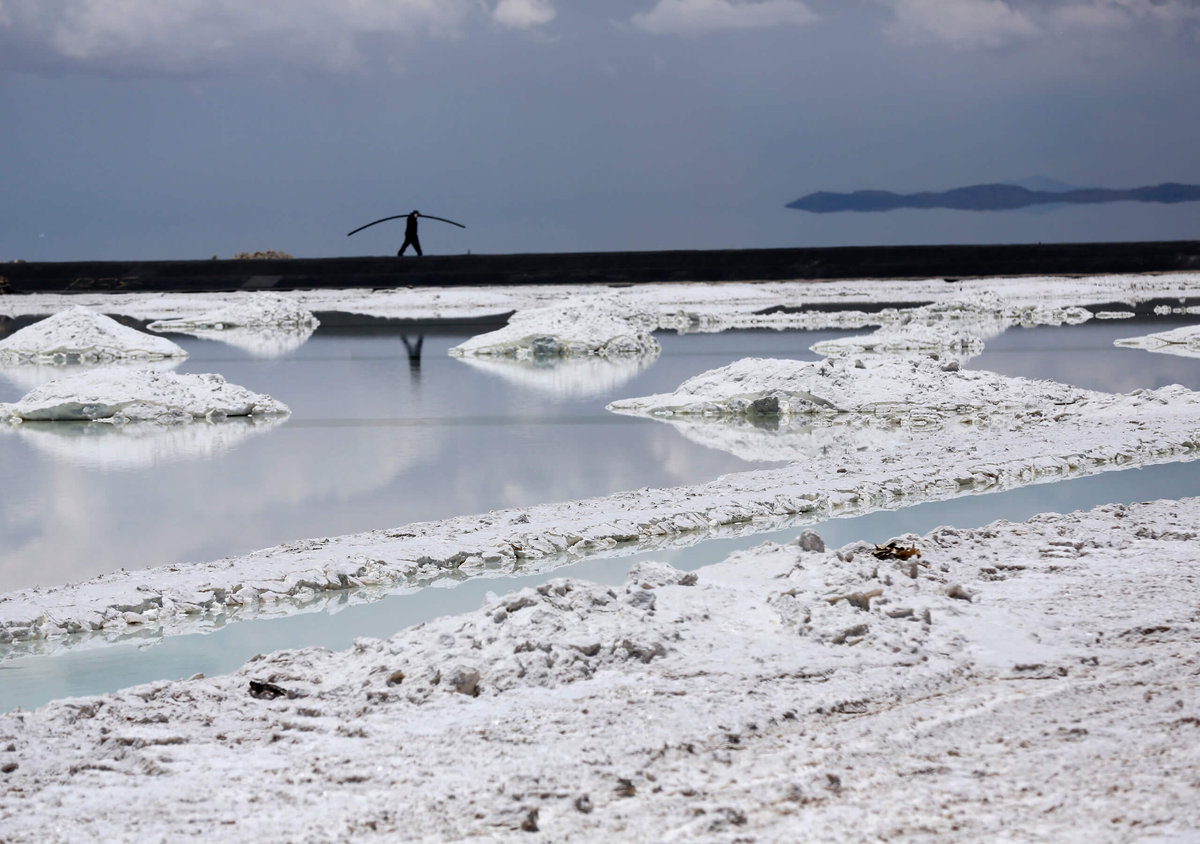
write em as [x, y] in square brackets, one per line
[410, 234]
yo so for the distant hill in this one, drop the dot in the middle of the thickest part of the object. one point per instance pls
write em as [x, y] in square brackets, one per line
[996, 197]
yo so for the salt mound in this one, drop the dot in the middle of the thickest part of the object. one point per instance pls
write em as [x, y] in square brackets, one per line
[600, 326]
[1183, 341]
[259, 311]
[756, 387]
[119, 396]
[83, 334]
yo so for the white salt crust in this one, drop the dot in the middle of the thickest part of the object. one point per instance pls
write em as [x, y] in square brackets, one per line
[686, 306]
[82, 335]
[120, 395]
[984, 690]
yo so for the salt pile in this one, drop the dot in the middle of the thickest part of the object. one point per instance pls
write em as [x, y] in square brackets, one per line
[80, 334]
[601, 325]
[900, 389]
[266, 325]
[1183, 341]
[982, 686]
[129, 395]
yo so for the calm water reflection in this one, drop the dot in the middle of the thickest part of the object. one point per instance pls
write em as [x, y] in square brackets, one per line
[378, 437]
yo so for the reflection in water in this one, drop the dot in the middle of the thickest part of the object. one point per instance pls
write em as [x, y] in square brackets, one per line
[767, 440]
[566, 377]
[1182, 342]
[139, 444]
[413, 348]
[29, 376]
[261, 341]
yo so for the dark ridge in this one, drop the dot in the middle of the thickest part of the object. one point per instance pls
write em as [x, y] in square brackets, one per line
[989, 198]
[608, 268]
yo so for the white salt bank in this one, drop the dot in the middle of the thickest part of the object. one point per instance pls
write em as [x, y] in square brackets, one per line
[130, 395]
[86, 336]
[599, 326]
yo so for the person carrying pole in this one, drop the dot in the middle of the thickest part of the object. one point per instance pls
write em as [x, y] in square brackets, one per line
[410, 234]
[410, 229]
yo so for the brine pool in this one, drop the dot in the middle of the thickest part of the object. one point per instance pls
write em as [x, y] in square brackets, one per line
[387, 429]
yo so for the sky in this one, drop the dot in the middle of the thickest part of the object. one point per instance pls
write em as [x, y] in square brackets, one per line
[156, 129]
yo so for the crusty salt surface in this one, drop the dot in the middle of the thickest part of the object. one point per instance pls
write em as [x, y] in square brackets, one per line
[877, 385]
[599, 325]
[79, 332]
[1039, 677]
[123, 395]
[1183, 341]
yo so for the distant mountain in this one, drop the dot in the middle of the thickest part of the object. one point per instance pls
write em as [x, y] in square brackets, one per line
[992, 197]
[1044, 183]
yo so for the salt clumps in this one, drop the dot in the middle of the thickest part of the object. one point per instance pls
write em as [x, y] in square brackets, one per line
[266, 325]
[1183, 341]
[121, 395]
[86, 336]
[600, 325]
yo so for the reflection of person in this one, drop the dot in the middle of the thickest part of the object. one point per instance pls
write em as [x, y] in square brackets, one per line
[410, 234]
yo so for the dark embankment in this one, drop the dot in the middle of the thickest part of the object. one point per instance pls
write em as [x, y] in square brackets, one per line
[607, 267]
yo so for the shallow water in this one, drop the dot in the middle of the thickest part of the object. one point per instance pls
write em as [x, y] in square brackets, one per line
[377, 441]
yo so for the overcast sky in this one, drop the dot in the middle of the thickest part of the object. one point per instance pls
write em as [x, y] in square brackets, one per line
[192, 128]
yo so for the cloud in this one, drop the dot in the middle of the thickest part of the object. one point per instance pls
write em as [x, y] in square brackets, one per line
[693, 17]
[963, 23]
[523, 14]
[993, 23]
[189, 36]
